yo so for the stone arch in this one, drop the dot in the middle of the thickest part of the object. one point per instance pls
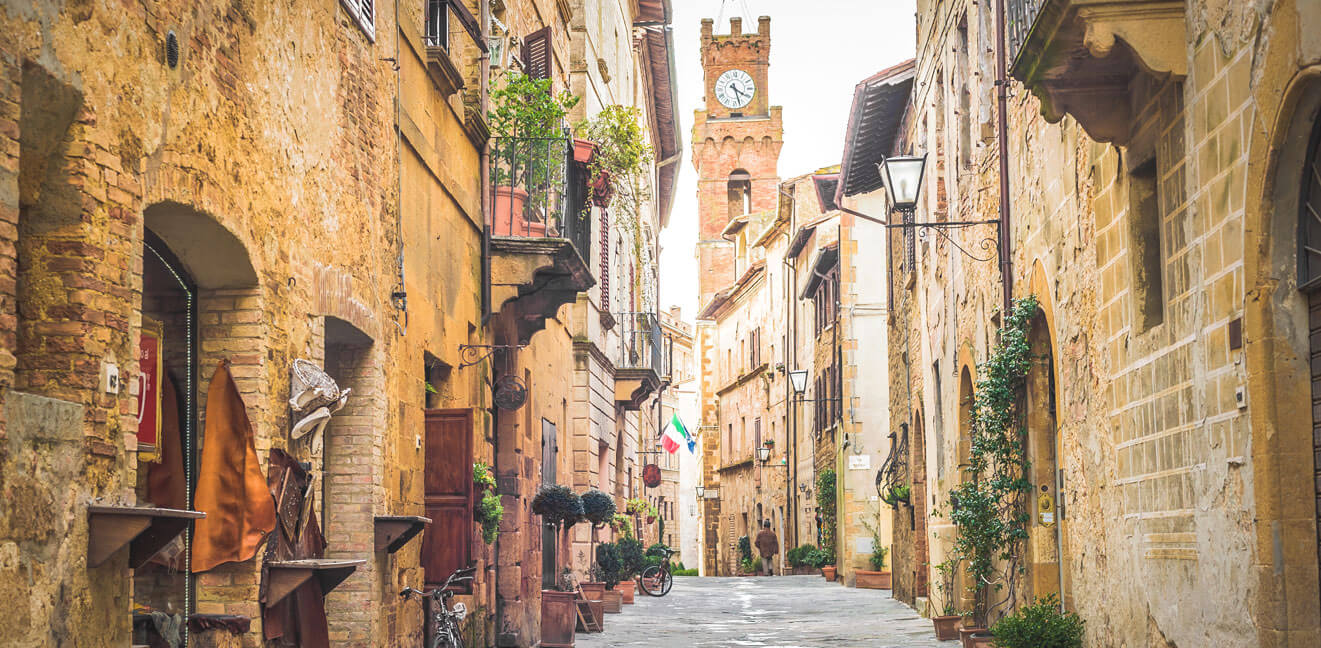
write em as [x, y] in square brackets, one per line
[1277, 349]
[212, 254]
[1046, 546]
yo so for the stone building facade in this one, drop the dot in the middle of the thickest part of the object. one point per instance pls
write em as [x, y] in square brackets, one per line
[1159, 163]
[193, 175]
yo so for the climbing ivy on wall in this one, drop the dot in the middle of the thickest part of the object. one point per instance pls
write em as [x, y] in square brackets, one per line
[989, 509]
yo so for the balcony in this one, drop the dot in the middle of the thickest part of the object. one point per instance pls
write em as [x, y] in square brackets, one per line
[641, 364]
[539, 231]
[1081, 57]
[443, 21]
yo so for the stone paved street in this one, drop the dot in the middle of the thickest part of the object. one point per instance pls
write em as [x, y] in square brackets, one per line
[779, 612]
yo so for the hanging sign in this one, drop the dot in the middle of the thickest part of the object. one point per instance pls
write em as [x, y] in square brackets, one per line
[150, 371]
[651, 475]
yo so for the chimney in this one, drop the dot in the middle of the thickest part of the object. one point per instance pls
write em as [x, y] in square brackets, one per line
[676, 313]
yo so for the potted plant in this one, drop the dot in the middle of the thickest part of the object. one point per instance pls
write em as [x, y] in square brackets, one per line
[877, 577]
[798, 559]
[608, 570]
[826, 560]
[599, 511]
[897, 493]
[947, 623]
[631, 561]
[559, 614]
[621, 167]
[527, 121]
[1040, 625]
[825, 505]
[558, 505]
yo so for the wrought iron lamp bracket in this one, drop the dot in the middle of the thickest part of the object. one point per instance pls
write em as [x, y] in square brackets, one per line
[924, 231]
[473, 354]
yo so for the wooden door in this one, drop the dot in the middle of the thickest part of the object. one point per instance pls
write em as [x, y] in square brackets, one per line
[447, 545]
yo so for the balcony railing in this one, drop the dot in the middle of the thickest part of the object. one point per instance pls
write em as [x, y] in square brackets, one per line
[1020, 15]
[536, 191]
[641, 344]
[442, 16]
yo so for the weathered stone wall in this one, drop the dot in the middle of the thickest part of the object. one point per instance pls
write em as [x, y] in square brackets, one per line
[1170, 489]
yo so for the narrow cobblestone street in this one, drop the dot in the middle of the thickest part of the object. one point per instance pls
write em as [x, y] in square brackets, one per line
[779, 612]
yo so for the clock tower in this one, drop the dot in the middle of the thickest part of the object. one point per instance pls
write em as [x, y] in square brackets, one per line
[736, 145]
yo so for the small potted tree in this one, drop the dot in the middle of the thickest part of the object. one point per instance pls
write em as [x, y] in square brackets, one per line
[599, 509]
[947, 623]
[608, 570]
[621, 163]
[560, 508]
[631, 562]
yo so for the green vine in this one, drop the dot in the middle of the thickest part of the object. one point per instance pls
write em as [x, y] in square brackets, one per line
[989, 509]
[825, 506]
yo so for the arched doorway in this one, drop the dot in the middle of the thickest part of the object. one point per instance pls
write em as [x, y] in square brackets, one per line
[1045, 530]
[1309, 283]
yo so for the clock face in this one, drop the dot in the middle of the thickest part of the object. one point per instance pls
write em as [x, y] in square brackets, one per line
[735, 88]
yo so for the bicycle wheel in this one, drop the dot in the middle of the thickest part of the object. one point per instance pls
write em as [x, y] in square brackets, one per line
[450, 637]
[661, 581]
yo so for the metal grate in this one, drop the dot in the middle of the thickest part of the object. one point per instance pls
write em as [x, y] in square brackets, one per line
[1020, 16]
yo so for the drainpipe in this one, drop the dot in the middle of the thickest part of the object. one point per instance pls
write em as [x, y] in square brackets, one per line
[791, 406]
[1002, 137]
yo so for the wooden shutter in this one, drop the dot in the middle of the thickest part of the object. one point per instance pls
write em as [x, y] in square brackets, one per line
[447, 545]
[536, 54]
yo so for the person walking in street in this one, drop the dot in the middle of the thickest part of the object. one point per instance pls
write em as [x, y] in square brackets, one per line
[768, 546]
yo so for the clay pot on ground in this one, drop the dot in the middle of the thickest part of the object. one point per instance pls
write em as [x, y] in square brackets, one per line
[593, 591]
[509, 218]
[559, 618]
[981, 640]
[628, 588]
[864, 579]
[965, 635]
[947, 627]
[614, 601]
[829, 572]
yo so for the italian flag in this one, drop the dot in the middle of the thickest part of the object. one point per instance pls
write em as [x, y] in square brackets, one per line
[677, 435]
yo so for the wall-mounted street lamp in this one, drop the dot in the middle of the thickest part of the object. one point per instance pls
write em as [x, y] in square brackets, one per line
[763, 454]
[701, 492]
[902, 176]
[798, 379]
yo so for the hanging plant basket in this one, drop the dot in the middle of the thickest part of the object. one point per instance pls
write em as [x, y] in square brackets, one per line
[603, 190]
[583, 150]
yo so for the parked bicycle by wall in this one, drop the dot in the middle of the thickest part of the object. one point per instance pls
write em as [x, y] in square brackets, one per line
[657, 580]
[442, 620]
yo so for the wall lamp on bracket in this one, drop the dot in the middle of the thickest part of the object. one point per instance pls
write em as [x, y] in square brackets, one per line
[902, 176]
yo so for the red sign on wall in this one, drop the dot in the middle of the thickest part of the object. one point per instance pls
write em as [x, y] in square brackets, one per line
[150, 372]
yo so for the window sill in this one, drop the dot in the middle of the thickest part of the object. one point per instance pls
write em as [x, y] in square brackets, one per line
[443, 72]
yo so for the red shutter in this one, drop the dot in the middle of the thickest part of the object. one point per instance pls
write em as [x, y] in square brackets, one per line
[447, 545]
[536, 54]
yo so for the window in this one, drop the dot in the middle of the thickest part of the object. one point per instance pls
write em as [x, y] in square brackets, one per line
[1144, 221]
[740, 193]
[754, 348]
[363, 11]
[537, 54]
[436, 31]
[825, 301]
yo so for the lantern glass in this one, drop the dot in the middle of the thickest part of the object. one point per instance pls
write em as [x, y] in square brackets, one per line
[798, 379]
[701, 492]
[763, 454]
[902, 176]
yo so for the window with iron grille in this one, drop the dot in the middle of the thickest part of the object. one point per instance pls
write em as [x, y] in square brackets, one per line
[364, 12]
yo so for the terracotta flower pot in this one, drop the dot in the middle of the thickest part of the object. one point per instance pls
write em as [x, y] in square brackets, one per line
[593, 591]
[603, 190]
[559, 618]
[583, 150]
[508, 218]
[614, 601]
[650, 519]
[965, 635]
[864, 579]
[829, 572]
[981, 640]
[628, 589]
[947, 627]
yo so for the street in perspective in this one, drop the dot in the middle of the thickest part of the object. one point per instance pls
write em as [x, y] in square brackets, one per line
[608, 323]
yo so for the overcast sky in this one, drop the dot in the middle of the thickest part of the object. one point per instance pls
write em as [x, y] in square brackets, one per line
[820, 49]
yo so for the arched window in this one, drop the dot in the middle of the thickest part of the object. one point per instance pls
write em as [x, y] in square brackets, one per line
[1309, 216]
[740, 193]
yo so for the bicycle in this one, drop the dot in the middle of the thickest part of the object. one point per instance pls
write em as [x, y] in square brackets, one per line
[659, 575]
[443, 630]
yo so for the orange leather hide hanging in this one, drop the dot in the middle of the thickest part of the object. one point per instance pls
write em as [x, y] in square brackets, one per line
[231, 488]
